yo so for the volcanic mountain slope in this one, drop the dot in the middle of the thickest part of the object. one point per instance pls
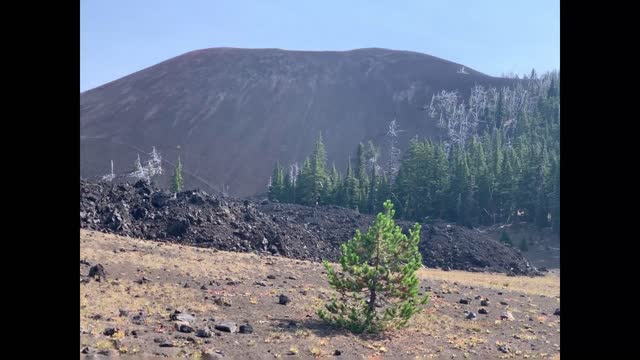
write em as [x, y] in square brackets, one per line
[234, 112]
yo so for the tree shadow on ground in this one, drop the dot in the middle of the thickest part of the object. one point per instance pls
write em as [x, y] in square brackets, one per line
[321, 329]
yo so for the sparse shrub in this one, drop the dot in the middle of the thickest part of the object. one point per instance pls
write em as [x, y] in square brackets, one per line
[505, 238]
[378, 285]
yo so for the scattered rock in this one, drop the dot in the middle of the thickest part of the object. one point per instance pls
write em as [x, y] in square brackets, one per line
[167, 344]
[471, 316]
[504, 349]
[337, 353]
[283, 300]
[183, 327]
[97, 272]
[271, 277]
[160, 199]
[260, 283]
[124, 313]
[138, 319]
[246, 329]
[180, 316]
[503, 303]
[85, 350]
[110, 331]
[507, 316]
[203, 287]
[144, 280]
[484, 302]
[483, 311]
[557, 312]
[222, 301]
[204, 333]
[229, 327]
[464, 301]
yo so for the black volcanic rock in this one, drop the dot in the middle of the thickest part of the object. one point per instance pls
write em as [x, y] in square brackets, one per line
[290, 230]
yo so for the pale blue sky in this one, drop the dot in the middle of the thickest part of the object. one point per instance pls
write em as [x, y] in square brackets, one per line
[118, 37]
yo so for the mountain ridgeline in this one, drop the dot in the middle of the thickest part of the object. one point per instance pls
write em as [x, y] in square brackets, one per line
[496, 161]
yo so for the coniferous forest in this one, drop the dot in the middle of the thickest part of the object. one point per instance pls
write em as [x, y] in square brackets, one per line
[497, 160]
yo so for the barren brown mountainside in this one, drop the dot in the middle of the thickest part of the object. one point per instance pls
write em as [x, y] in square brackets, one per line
[234, 112]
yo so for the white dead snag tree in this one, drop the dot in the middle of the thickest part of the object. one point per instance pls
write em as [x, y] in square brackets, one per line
[154, 165]
[462, 71]
[111, 176]
[140, 172]
[293, 173]
[393, 163]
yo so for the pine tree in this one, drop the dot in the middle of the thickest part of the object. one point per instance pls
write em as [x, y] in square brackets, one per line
[318, 184]
[351, 189]
[555, 198]
[378, 270]
[383, 192]
[372, 195]
[176, 179]
[335, 182]
[277, 188]
[500, 110]
[506, 190]
[553, 91]
[287, 189]
[361, 175]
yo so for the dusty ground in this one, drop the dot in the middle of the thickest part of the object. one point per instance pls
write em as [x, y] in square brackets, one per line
[230, 293]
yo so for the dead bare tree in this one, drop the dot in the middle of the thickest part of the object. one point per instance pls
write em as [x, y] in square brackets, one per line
[111, 176]
[293, 173]
[154, 165]
[140, 173]
[393, 163]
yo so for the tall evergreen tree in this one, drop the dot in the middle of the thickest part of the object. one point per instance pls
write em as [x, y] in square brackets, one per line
[176, 179]
[351, 189]
[276, 190]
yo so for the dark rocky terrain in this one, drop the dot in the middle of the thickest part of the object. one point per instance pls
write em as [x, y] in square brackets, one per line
[235, 112]
[199, 219]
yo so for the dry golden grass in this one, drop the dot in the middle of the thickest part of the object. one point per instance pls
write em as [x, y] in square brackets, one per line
[548, 285]
[204, 263]
[201, 265]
